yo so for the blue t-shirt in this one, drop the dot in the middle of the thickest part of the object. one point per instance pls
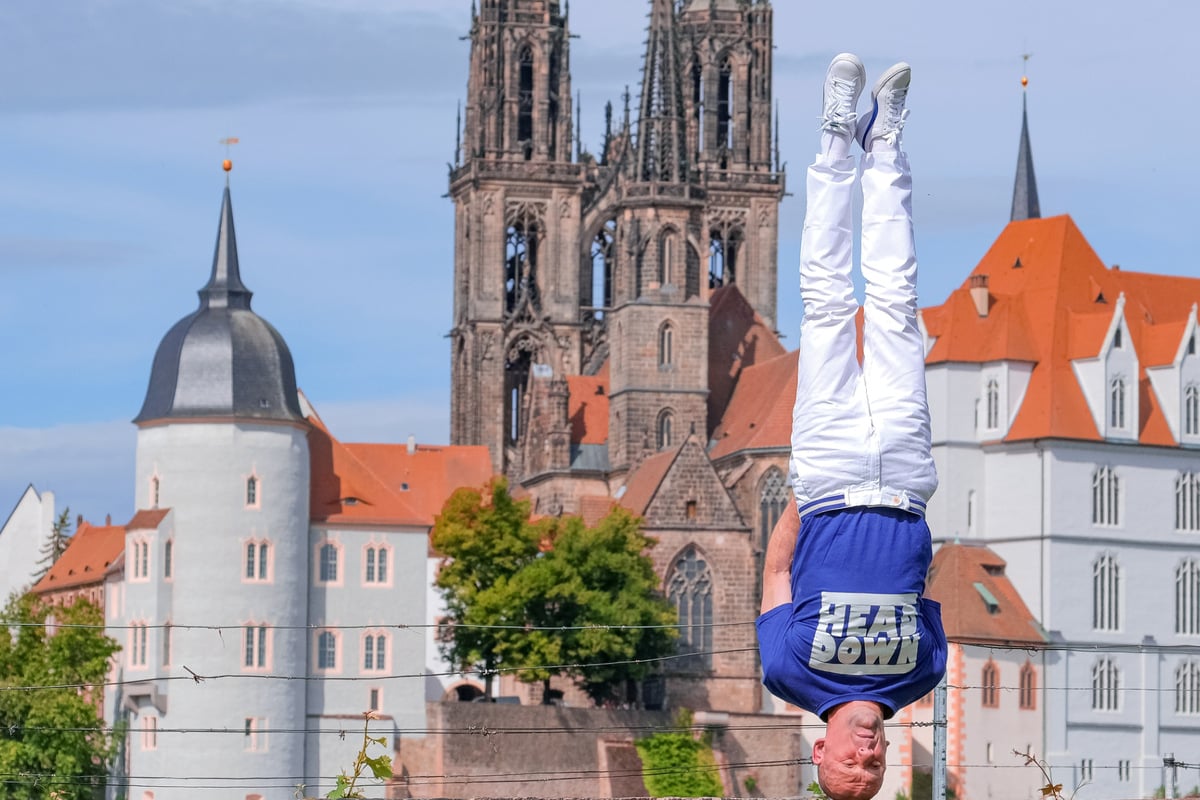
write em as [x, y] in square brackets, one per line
[858, 627]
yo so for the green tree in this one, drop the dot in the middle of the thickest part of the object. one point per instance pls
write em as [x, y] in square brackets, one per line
[55, 544]
[53, 739]
[485, 537]
[560, 598]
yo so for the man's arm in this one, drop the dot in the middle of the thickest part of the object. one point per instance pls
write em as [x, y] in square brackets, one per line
[777, 567]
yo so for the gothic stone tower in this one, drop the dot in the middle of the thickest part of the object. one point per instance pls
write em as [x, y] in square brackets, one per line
[567, 264]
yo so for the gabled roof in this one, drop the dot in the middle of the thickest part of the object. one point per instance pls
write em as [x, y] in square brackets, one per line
[1051, 301]
[680, 488]
[979, 603]
[385, 484]
[644, 480]
[92, 549]
[760, 412]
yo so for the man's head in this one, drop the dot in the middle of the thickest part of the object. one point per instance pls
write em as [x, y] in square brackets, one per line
[851, 758]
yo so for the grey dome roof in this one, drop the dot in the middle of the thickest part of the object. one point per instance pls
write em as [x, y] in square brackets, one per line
[222, 360]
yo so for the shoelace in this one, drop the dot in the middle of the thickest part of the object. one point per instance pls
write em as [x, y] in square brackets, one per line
[839, 106]
[895, 115]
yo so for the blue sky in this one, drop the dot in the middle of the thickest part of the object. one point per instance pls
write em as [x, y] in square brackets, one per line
[110, 180]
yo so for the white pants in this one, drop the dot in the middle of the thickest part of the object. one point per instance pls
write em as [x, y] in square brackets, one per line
[860, 435]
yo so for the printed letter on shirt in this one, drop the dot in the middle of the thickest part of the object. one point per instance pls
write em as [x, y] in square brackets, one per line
[860, 633]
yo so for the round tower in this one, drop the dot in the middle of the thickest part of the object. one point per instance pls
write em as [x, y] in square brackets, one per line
[222, 443]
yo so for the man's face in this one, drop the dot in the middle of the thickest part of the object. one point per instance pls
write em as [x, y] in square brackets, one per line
[851, 759]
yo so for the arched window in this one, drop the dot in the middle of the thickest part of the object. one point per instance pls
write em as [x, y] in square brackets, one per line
[329, 563]
[1028, 687]
[521, 240]
[1106, 686]
[254, 641]
[772, 500]
[993, 404]
[1187, 688]
[1187, 502]
[375, 652]
[725, 244]
[258, 557]
[1191, 409]
[1106, 497]
[725, 101]
[667, 253]
[1187, 597]
[666, 345]
[990, 685]
[1116, 407]
[698, 101]
[666, 422]
[1106, 593]
[689, 588]
[327, 650]
[603, 263]
[252, 492]
[376, 564]
[525, 100]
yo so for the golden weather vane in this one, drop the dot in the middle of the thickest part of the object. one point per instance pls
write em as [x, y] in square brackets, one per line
[1025, 68]
[228, 141]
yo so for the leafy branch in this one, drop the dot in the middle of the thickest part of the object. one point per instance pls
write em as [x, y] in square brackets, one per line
[380, 765]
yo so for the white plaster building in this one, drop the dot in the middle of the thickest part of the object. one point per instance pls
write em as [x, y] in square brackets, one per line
[281, 563]
[27, 528]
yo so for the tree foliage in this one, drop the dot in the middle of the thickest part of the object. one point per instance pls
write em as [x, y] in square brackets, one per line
[562, 598]
[53, 739]
[55, 544]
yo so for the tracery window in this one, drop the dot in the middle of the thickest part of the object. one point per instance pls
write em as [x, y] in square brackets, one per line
[772, 500]
[257, 561]
[1187, 688]
[1117, 404]
[525, 100]
[990, 685]
[1187, 597]
[521, 241]
[1028, 687]
[1106, 685]
[375, 652]
[725, 106]
[377, 564]
[603, 263]
[1106, 497]
[993, 404]
[725, 245]
[1187, 502]
[1106, 593]
[327, 650]
[689, 588]
[329, 563]
[666, 424]
[254, 650]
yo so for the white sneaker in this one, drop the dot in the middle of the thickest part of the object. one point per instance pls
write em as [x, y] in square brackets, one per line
[888, 114]
[844, 83]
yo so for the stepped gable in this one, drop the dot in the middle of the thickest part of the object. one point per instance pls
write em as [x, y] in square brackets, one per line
[1051, 300]
[738, 338]
[979, 603]
[91, 551]
[680, 488]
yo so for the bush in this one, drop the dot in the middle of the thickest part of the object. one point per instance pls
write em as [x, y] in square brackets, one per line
[676, 765]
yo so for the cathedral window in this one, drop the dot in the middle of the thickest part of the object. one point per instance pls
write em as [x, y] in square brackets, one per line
[698, 102]
[375, 652]
[1106, 685]
[327, 647]
[666, 421]
[1106, 497]
[1187, 598]
[376, 560]
[1191, 410]
[602, 263]
[666, 259]
[990, 685]
[517, 368]
[1028, 687]
[1106, 593]
[993, 404]
[666, 346]
[1187, 688]
[773, 497]
[1187, 502]
[329, 555]
[725, 101]
[1116, 408]
[254, 650]
[525, 100]
[252, 492]
[689, 588]
[725, 244]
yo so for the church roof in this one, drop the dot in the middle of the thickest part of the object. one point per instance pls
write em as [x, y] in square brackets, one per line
[587, 407]
[980, 605]
[222, 360]
[759, 415]
[1051, 300]
[737, 338]
[90, 552]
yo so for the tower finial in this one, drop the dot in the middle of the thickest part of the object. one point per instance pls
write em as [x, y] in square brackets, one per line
[227, 164]
[1025, 203]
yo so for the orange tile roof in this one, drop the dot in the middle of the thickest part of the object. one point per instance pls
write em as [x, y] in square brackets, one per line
[587, 407]
[431, 472]
[760, 411]
[1052, 300]
[956, 575]
[593, 508]
[642, 483]
[737, 339]
[91, 550]
[147, 519]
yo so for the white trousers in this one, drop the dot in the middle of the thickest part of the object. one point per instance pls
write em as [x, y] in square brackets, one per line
[860, 434]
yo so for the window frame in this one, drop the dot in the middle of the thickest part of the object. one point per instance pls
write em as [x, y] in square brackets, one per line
[321, 650]
[256, 647]
[320, 562]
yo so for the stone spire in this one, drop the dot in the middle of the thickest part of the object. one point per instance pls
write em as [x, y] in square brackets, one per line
[1025, 196]
[225, 287]
[662, 133]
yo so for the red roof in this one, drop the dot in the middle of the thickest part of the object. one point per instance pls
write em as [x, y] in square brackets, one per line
[1052, 300]
[88, 555]
[147, 519]
[760, 412]
[587, 407]
[738, 338]
[643, 482]
[385, 484]
[979, 603]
